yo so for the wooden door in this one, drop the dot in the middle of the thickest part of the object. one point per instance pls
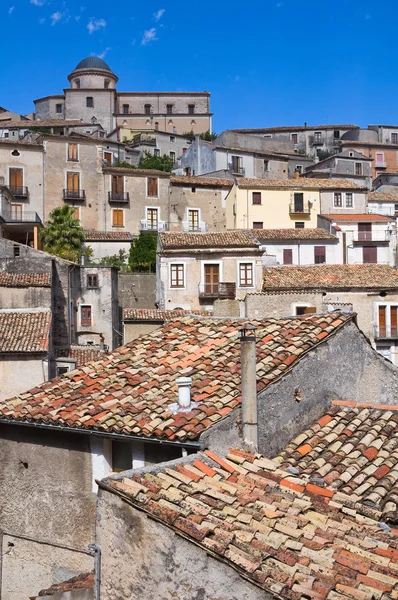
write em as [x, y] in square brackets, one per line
[108, 157]
[393, 320]
[16, 178]
[365, 231]
[73, 182]
[369, 254]
[382, 321]
[16, 212]
[298, 202]
[117, 184]
[287, 256]
[212, 278]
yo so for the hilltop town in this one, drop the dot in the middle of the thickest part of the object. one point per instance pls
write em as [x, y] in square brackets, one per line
[199, 352]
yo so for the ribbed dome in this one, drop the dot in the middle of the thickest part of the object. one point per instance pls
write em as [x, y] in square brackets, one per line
[93, 62]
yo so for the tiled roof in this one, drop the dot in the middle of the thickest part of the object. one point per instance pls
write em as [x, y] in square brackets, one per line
[100, 236]
[134, 171]
[44, 123]
[366, 276]
[349, 143]
[25, 280]
[354, 451]
[262, 152]
[24, 331]
[382, 197]
[295, 539]
[357, 217]
[300, 183]
[154, 314]
[233, 238]
[83, 581]
[201, 181]
[131, 390]
[82, 354]
[294, 128]
[293, 234]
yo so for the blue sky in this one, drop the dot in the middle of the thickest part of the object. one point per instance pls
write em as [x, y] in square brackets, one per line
[266, 62]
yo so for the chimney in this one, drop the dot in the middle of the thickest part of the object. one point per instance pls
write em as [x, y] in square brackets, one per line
[296, 175]
[249, 386]
[184, 391]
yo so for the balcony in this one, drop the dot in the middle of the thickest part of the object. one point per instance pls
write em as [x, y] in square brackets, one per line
[200, 227]
[19, 191]
[297, 208]
[236, 169]
[75, 195]
[26, 216]
[318, 140]
[380, 164]
[386, 333]
[371, 236]
[118, 197]
[152, 225]
[217, 291]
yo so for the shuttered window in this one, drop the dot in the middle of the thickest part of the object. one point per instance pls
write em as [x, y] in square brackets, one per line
[246, 275]
[288, 257]
[85, 316]
[369, 254]
[117, 217]
[177, 276]
[117, 184]
[256, 196]
[258, 225]
[319, 255]
[73, 152]
[152, 186]
[92, 280]
[73, 182]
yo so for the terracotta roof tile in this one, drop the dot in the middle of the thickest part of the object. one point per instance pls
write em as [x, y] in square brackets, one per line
[292, 234]
[140, 377]
[82, 354]
[293, 536]
[201, 181]
[295, 128]
[366, 276]
[83, 581]
[24, 331]
[25, 279]
[233, 238]
[94, 236]
[154, 314]
[382, 197]
[357, 217]
[301, 183]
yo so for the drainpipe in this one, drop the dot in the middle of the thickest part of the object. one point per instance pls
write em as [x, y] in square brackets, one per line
[247, 208]
[249, 386]
[97, 553]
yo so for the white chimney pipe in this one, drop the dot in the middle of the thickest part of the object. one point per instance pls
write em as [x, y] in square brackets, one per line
[184, 391]
[249, 386]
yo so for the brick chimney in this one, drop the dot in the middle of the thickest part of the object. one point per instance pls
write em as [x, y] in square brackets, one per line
[249, 386]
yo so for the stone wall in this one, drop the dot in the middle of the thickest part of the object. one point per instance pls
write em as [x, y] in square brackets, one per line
[211, 202]
[137, 290]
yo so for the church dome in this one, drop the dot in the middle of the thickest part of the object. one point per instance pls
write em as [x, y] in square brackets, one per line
[93, 62]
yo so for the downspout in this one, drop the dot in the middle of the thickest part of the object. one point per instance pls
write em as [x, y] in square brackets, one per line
[43, 180]
[298, 253]
[97, 551]
[247, 208]
[168, 205]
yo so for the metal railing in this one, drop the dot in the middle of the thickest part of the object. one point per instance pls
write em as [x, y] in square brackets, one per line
[296, 208]
[118, 197]
[222, 290]
[200, 227]
[74, 194]
[318, 141]
[380, 163]
[152, 225]
[26, 216]
[21, 191]
[371, 236]
[236, 169]
[386, 333]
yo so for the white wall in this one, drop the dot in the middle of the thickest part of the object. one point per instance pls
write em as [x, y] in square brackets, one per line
[303, 253]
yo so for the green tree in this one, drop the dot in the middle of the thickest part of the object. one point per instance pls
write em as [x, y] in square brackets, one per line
[116, 260]
[160, 163]
[63, 235]
[208, 136]
[143, 252]
[124, 164]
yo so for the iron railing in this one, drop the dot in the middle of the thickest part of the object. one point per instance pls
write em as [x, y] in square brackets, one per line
[75, 195]
[221, 290]
[118, 197]
[20, 191]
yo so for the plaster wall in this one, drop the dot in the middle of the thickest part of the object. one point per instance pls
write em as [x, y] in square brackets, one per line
[103, 109]
[46, 108]
[144, 559]
[159, 103]
[303, 253]
[19, 373]
[211, 203]
[327, 203]
[223, 159]
[131, 331]
[108, 248]
[137, 290]
[29, 297]
[92, 80]
[382, 208]
[175, 123]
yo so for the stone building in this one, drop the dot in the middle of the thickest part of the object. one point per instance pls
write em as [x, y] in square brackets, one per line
[93, 97]
[348, 164]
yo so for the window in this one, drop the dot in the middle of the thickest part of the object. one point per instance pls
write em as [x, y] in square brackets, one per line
[117, 185]
[294, 138]
[177, 279]
[258, 225]
[156, 152]
[173, 156]
[298, 202]
[147, 109]
[58, 109]
[73, 183]
[236, 164]
[191, 109]
[318, 137]
[305, 310]
[90, 102]
[108, 157]
[169, 109]
[16, 251]
[77, 83]
[379, 158]
[396, 207]
[349, 200]
[358, 168]
[394, 138]
[246, 275]
[122, 456]
[256, 197]
[193, 220]
[62, 370]
[16, 212]
[338, 202]
[193, 190]
[299, 169]
[106, 83]
[16, 180]
[152, 186]
[387, 321]
[73, 153]
[156, 126]
[76, 213]
[319, 255]
[85, 316]
[351, 154]
[267, 136]
[172, 138]
[117, 217]
[336, 134]
[266, 166]
[92, 280]
[152, 217]
[364, 232]
[299, 225]
[287, 256]
[126, 109]
[369, 254]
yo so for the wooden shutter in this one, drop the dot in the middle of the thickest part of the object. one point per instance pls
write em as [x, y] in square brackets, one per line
[72, 152]
[365, 231]
[73, 182]
[299, 202]
[152, 186]
[382, 321]
[319, 255]
[16, 178]
[108, 157]
[117, 217]
[369, 254]
[309, 310]
[393, 320]
[85, 316]
[287, 257]
[117, 184]
[256, 197]
[257, 225]
[212, 278]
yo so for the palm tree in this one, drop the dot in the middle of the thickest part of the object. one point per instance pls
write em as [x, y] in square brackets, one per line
[63, 235]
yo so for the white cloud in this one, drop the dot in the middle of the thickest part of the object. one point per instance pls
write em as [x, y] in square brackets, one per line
[149, 36]
[103, 53]
[11, 10]
[95, 24]
[159, 14]
[55, 17]
[38, 2]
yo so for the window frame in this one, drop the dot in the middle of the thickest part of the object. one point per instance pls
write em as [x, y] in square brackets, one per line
[148, 195]
[299, 224]
[57, 106]
[352, 200]
[184, 276]
[68, 152]
[260, 197]
[169, 109]
[193, 210]
[147, 109]
[125, 109]
[294, 138]
[253, 276]
[92, 281]
[191, 109]
[395, 134]
[339, 203]
[84, 322]
[119, 211]
[89, 101]
[291, 256]
[255, 223]
[323, 255]
[360, 170]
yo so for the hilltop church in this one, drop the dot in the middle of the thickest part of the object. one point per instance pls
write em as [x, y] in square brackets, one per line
[93, 97]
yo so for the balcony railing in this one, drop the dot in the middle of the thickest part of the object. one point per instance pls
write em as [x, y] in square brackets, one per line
[318, 141]
[386, 333]
[118, 197]
[152, 225]
[75, 195]
[200, 227]
[20, 191]
[381, 164]
[26, 216]
[214, 291]
[299, 209]
[371, 236]
[236, 169]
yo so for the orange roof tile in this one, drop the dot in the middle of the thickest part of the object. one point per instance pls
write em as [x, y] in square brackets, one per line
[233, 238]
[293, 234]
[301, 183]
[357, 217]
[382, 197]
[25, 279]
[24, 330]
[193, 181]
